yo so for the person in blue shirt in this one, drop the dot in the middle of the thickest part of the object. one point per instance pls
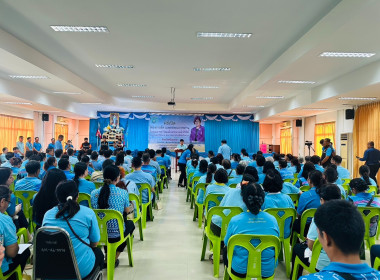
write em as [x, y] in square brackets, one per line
[217, 160]
[304, 175]
[238, 175]
[15, 165]
[111, 197]
[128, 158]
[49, 153]
[206, 179]
[253, 221]
[50, 163]
[51, 145]
[295, 166]
[94, 161]
[58, 143]
[168, 162]
[225, 150]
[361, 197]
[219, 187]
[86, 160]
[285, 172]
[316, 160]
[140, 177]
[276, 160]
[235, 160]
[192, 168]
[72, 159]
[154, 163]
[343, 173]
[37, 147]
[245, 156]
[58, 154]
[185, 156]
[210, 155]
[30, 183]
[200, 171]
[327, 153]
[8, 231]
[29, 144]
[267, 166]
[260, 161]
[227, 166]
[147, 168]
[249, 170]
[372, 159]
[64, 165]
[274, 198]
[365, 174]
[81, 171]
[81, 224]
[341, 231]
[120, 163]
[331, 177]
[2, 157]
[327, 193]
[69, 145]
[27, 156]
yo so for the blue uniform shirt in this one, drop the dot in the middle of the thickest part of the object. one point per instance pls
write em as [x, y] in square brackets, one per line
[69, 175]
[86, 226]
[37, 146]
[248, 223]
[51, 146]
[58, 145]
[358, 271]
[150, 170]
[309, 199]
[286, 174]
[140, 177]
[289, 188]
[8, 231]
[225, 150]
[215, 189]
[86, 186]
[185, 154]
[236, 180]
[97, 165]
[371, 156]
[28, 184]
[29, 145]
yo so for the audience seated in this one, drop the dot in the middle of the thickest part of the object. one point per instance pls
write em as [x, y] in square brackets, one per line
[219, 187]
[58, 154]
[343, 173]
[250, 170]
[364, 171]
[2, 156]
[227, 166]
[153, 162]
[285, 172]
[86, 160]
[80, 173]
[295, 166]
[97, 176]
[81, 224]
[8, 232]
[147, 168]
[65, 166]
[94, 161]
[260, 161]
[206, 179]
[111, 197]
[331, 176]
[238, 175]
[235, 159]
[72, 159]
[15, 165]
[120, 163]
[200, 171]
[303, 177]
[30, 183]
[252, 221]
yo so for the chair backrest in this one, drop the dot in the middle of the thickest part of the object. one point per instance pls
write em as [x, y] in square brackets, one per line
[136, 201]
[254, 252]
[142, 187]
[306, 215]
[200, 186]
[163, 167]
[371, 218]
[346, 181]
[105, 215]
[26, 197]
[281, 215]
[98, 184]
[52, 246]
[215, 198]
[295, 198]
[233, 186]
[305, 188]
[372, 189]
[195, 181]
[226, 218]
[84, 197]
[317, 248]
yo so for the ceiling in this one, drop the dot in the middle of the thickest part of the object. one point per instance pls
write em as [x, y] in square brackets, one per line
[159, 39]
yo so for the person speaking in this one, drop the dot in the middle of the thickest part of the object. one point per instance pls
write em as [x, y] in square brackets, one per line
[372, 159]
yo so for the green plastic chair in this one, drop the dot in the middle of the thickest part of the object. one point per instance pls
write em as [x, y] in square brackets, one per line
[189, 194]
[346, 182]
[88, 177]
[146, 206]
[311, 268]
[372, 189]
[296, 176]
[103, 216]
[138, 217]
[281, 215]
[198, 210]
[16, 271]
[295, 198]
[213, 197]
[32, 224]
[157, 189]
[233, 186]
[22, 232]
[98, 184]
[307, 214]
[368, 213]
[26, 197]
[188, 184]
[164, 179]
[254, 254]
[216, 240]
[304, 188]
[85, 197]
[347, 189]
[376, 264]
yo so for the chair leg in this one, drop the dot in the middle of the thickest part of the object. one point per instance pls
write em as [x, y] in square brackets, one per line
[151, 212]
[129, 248]
[204, 247]
[111, 256]
[143, 215]
[287, 256]
[141, 229]
[191, 200]
[195, 213]
[226, 275]
[216, 252]
[200, 215]
[295, 269]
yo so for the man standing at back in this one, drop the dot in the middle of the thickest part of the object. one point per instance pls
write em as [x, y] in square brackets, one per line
[58, 143]
[37, 147]
[372, 159]
[225, 150]
[20, 145]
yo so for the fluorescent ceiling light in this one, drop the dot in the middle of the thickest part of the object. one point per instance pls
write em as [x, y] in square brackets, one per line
[91, 103]
[72, 28]
[143, 96]
[347, 54]
[296, 82]
[205, 87]
[270, 97]
[357, 98]
[28, 77]
[316, 109]
[130, 85]
[223, 35]
[254, 106]
[207, 69]
[202, 98]
[66, 92]
[115, 66]
[18, 103]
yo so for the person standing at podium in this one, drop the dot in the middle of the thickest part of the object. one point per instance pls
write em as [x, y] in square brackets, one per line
[181, 145]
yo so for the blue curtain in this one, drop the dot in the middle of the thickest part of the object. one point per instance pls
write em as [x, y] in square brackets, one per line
[92, 133]
[240, 134]
[137, 134]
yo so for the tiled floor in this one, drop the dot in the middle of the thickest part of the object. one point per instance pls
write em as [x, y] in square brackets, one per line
[172, 245]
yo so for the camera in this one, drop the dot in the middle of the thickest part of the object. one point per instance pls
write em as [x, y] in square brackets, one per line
[308, 143]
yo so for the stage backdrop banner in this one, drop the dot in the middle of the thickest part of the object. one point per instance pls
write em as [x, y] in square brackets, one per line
[166, 131]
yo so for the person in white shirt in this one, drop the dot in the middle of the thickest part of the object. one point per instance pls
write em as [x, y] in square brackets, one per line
[20, 145]
[181, 145]
[225, 150]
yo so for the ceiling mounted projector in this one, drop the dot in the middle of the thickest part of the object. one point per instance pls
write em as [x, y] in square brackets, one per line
[171, 103]
[172, 92]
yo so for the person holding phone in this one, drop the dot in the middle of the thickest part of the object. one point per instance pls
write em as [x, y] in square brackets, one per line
[372, 159]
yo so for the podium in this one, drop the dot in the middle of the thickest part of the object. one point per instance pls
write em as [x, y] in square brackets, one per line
[178, 153]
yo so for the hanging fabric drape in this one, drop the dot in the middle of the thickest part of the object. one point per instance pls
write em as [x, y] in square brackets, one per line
[366, 128]
[11, 128]
[61, 129]
[286, 141]
[322, 131]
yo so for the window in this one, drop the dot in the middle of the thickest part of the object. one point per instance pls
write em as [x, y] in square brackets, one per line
[322, 131]
[11, 128]
[286, 141]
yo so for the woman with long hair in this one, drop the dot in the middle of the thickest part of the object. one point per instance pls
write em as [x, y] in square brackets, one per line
[208, 178]
[81, 171]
